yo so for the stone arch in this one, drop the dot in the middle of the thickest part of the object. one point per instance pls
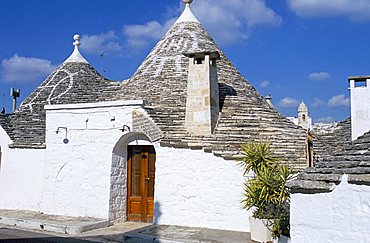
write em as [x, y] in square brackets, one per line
[118, 186]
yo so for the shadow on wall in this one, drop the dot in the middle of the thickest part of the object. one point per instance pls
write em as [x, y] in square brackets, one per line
[157, 212]
[225, 90]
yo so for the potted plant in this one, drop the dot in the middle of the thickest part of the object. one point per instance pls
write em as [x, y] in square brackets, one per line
[265, 192]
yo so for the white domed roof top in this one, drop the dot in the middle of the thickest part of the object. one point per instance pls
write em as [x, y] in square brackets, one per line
[302, 107]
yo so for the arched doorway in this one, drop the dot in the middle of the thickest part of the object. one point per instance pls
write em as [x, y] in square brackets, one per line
[140, 183]
[132, 179]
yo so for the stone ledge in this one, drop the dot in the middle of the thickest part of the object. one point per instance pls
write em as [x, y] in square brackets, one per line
[50, 223]
[26, 146]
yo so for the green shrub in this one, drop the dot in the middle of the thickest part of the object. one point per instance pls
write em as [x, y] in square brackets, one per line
[266, 193]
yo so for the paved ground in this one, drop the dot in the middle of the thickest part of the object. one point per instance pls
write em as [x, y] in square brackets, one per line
[126, 232]
[24, 226]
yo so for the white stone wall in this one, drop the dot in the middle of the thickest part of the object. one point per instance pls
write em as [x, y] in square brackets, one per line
[360, 109]
[79, 174]
[342, 215]
[194, 188]
[21, 176]
[21, 179]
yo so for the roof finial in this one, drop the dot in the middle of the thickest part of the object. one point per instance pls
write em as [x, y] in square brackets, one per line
[187, 15]
[188, 2]
[76, 39]
[76, 55]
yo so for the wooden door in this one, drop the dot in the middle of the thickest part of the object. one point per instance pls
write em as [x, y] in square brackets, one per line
[141, 175]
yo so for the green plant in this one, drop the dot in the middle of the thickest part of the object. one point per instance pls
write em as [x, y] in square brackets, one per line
[266, 192]
[256, 156]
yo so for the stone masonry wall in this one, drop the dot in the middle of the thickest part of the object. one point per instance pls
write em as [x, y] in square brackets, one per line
[118, 190]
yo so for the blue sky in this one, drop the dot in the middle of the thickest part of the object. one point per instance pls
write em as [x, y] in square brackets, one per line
[293, 49]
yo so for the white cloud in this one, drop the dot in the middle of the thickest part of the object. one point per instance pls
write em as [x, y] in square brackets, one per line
[358, 10]
[25, 69]
[327, 119]
[139, 36]
[338, 101]
[265, 84]
[100, 43]
[319, 76]
[288, 102]
[317, 102]
[230, 21]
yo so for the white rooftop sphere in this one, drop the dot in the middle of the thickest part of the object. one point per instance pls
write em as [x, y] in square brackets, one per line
[76, 37]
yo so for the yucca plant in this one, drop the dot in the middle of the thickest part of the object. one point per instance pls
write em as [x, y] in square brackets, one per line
[266, 192]
[256, 156]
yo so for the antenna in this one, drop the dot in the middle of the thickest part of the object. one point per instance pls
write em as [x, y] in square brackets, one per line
[15, 94]
[101, 62]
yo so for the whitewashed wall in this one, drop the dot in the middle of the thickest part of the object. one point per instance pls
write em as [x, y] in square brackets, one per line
[360, 110]
[194, 188]
[21, 176]
[86, 176]
[78, 173]
[342, 215]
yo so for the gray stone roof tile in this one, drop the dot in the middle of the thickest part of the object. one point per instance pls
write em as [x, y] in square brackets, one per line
[352, 159]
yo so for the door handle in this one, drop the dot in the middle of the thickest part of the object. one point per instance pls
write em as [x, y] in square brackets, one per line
[148, 179]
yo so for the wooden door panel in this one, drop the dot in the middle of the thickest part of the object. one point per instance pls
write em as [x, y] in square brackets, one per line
[141, 176]
[150, 215]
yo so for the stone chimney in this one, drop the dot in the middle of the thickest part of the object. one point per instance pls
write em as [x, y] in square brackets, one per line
[202, 102]
[360, 109]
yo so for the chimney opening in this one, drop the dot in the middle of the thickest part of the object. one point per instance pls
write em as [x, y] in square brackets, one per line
[360, 83]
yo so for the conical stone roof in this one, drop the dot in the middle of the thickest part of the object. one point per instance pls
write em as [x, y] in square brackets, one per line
[161, 80]
[74, 81]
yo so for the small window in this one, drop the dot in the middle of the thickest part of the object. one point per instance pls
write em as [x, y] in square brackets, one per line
[303, 117]
[199, 61]
[360, 83]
